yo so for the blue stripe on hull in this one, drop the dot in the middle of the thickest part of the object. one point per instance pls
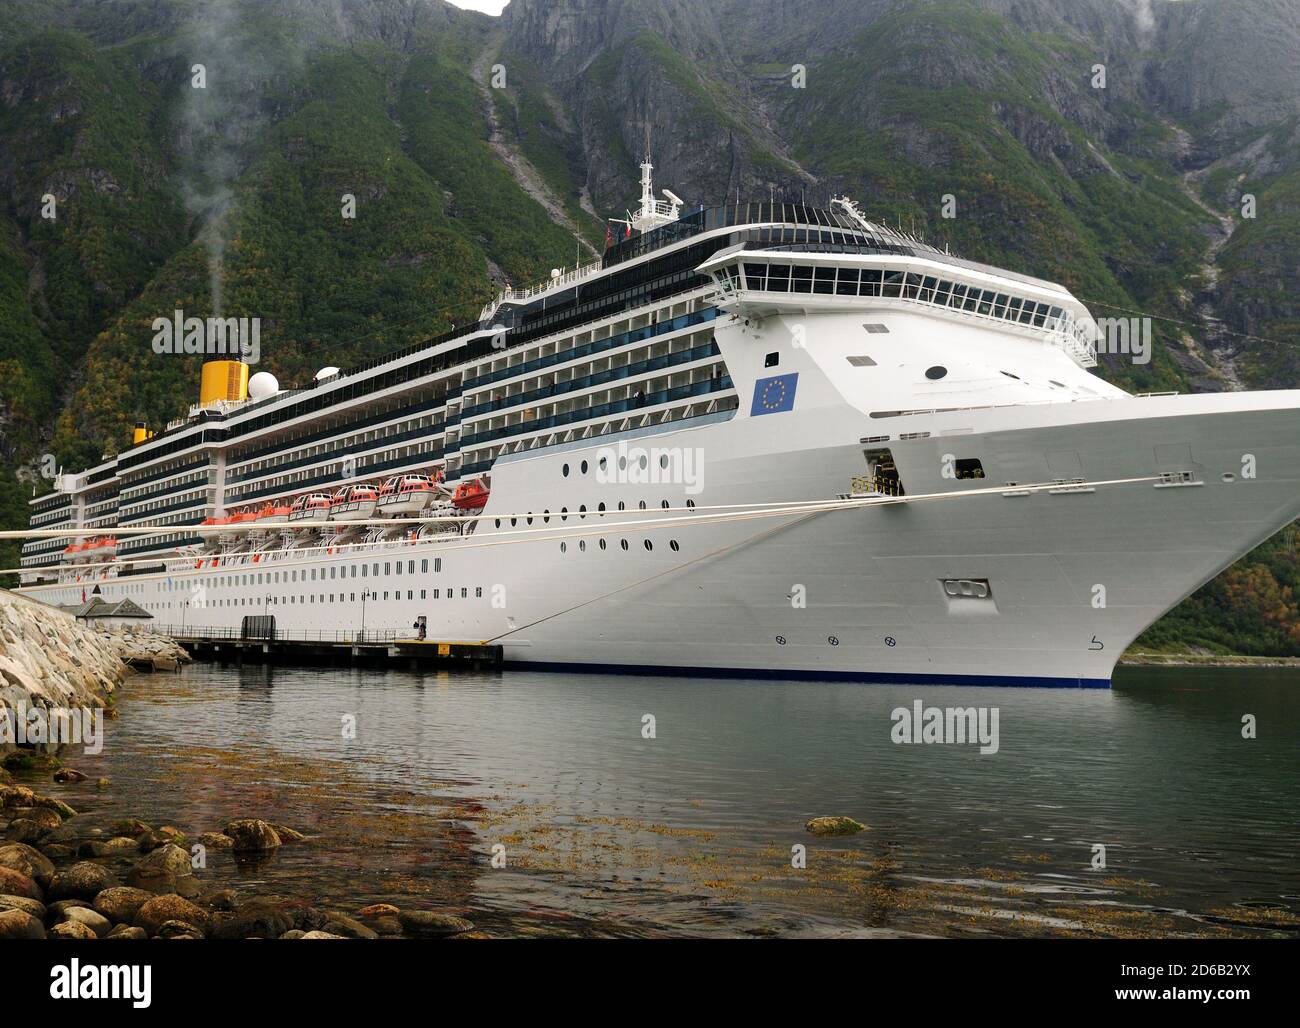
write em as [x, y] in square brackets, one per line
[1024, 681]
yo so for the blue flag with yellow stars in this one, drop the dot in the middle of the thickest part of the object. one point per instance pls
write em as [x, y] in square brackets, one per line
[774, 395]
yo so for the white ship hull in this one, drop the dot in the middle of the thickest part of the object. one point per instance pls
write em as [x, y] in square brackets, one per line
[874, 604]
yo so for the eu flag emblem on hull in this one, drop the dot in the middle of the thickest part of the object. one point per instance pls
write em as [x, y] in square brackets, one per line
[774, 395]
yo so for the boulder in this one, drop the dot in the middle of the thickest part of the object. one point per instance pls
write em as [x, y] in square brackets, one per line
[432, 924]
[18, 924]
[269, 917]
[157, 837]
[25, 830]
[15, 883]
[378, 910]
[28, 906]
[57, 805]
[216, 841]
[166, 869]
[107, 847]
[43, 816]
[252, 835]
[834, 826]
[348, 927]
[126, 931]
[287, 834]
[20, 857]
[71, 930]
[69, 774]
[386, 927]
[178, 930]
[153, 914]
[83, 880]
[97, 923]
[120, 903]
[319, 935]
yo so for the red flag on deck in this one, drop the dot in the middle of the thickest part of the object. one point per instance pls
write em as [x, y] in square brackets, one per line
[627, 234]
[609, 236]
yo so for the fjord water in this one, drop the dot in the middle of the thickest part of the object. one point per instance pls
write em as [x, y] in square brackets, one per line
[603, 831]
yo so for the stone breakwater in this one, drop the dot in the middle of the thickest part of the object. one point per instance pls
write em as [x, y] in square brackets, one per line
[62, 879]
[49, 661]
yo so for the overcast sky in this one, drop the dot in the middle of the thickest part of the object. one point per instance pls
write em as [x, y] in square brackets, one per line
[487, 6]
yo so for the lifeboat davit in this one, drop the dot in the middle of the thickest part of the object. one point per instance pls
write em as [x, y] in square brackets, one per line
[354, 503]
[471, 495]
[404, 494]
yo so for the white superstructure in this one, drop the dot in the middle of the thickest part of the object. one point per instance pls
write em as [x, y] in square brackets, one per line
[599, 448]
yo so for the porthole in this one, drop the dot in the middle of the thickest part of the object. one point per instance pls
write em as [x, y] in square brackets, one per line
[498, 522]
[582, 545]
[513, 522]
[1229, 477]
[623, 543]
[564, 547]
[622, 464]
[664, 504]
[643, 504]
[564, 513]
[644, 462]
[663, 461]
[602, 544]
[546, 517]
[690, 504]
[935, 373]
[582, 511]
[603, 463]
[780, 640]
[601, 508]
[621, 504]
[584, 467]
[566, 471]
[530, 517]
[649, 545]
[673, 545]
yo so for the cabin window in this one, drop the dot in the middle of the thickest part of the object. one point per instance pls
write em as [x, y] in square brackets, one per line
[771, 360]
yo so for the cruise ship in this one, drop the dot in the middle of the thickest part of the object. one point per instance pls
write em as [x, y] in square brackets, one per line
[761, 439]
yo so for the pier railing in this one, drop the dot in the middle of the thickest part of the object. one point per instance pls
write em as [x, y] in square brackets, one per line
[183, 633]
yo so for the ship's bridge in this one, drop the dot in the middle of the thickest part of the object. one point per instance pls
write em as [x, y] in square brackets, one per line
[804, 278]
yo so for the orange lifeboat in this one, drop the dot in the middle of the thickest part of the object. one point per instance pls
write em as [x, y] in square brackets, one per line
[472, 495]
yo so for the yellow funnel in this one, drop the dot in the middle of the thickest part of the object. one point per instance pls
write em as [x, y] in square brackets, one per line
[223, 380]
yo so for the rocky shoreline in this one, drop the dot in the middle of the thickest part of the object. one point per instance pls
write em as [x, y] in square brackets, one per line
[51, 662]
[134, 881]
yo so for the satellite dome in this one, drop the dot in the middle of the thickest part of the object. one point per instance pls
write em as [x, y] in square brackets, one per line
[262, 385]
[325, 373]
